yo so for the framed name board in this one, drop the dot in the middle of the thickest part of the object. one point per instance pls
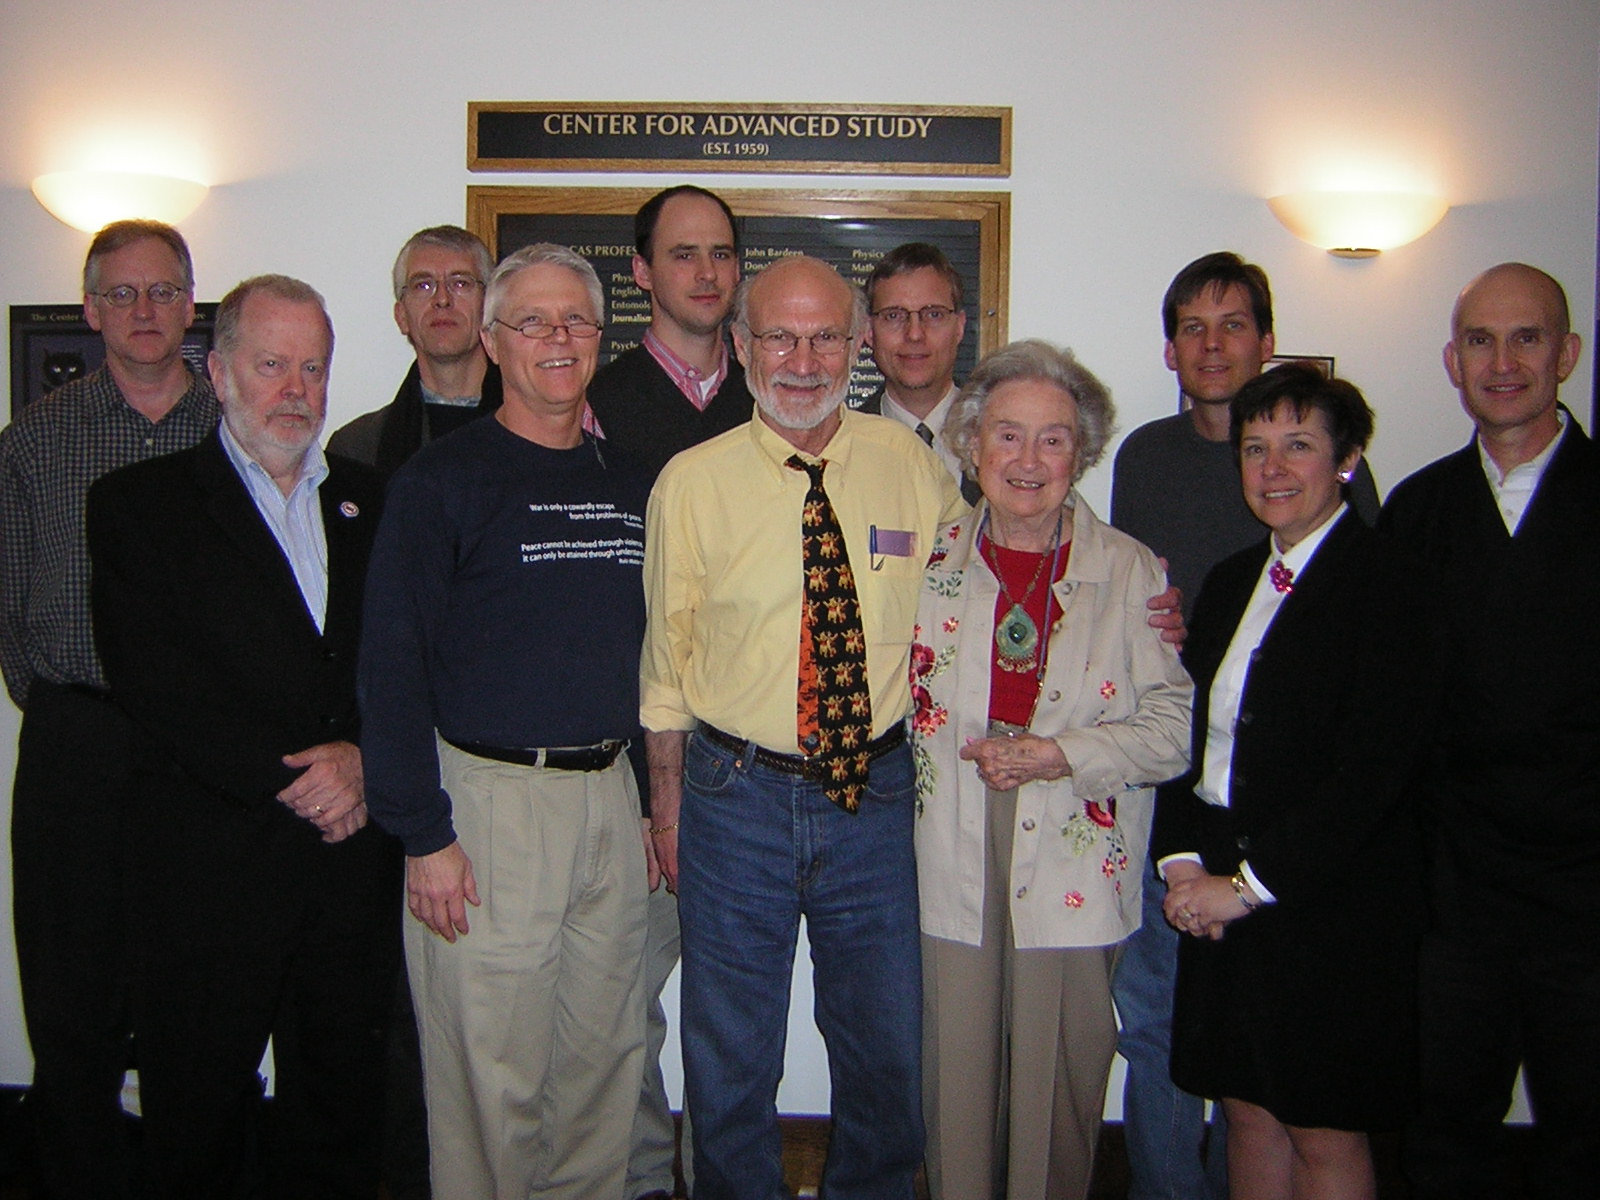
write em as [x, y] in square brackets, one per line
[849, 229]
[808, 139]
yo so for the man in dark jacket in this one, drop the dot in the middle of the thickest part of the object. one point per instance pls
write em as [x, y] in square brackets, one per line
[226, 593]
[439, 277]
[1508, 531]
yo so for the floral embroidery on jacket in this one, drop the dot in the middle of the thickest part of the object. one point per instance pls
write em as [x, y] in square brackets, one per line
[943, 583]
[927, 716]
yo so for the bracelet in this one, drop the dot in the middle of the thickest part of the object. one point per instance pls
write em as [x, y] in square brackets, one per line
[1239, 885]
[658, 829]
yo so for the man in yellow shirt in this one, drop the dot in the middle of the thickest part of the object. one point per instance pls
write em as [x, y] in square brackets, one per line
[758, 817]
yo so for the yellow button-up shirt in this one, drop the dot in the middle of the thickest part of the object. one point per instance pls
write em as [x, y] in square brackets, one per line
[723, 573]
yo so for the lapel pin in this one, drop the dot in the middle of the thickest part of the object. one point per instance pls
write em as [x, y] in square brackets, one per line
[349, 508]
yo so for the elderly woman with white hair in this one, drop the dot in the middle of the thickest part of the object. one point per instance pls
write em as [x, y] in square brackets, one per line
[1046, 710]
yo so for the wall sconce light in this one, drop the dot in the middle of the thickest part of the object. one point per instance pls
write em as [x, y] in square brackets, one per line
[89, 200]
[1358, 224]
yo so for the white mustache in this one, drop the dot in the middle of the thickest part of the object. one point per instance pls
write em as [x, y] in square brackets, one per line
[791, 379]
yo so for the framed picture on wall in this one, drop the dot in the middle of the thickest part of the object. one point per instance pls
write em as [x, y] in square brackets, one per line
[849, 229]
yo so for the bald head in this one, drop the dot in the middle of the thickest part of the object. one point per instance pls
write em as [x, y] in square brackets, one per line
[1530, 281]
[805, 278]
[1510, 349]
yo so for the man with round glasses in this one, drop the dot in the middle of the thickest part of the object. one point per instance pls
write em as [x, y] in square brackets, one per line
[499, 684]
[783, 812]
[439, 276]
[74, 755]
[915, 295]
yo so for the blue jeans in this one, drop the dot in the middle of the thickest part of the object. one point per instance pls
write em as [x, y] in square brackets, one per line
[1163, 1125]
[758, 849]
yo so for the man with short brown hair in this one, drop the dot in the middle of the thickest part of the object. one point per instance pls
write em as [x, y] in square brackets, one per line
[74, 755]
[914, 296]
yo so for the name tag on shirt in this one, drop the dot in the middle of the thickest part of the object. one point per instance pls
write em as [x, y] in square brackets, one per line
[890, 543]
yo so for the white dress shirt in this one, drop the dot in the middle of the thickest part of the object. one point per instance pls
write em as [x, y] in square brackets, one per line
[1227, 688]
[295, 519]
[934, 421]
[1513, 491]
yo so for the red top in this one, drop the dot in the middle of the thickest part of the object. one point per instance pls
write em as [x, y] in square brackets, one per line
[1012, 693]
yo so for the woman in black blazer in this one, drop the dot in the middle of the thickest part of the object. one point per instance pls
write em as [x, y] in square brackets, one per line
[1290, 847]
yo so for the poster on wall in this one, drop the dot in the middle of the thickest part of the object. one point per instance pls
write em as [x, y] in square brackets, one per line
[809, 139]
[851, 230]
[51, 344]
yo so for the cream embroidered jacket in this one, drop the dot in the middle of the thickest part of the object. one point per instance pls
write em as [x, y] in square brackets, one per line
[1114, 697]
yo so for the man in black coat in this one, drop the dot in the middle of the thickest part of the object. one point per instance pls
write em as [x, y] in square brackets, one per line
[1509, 532]
[439, 277]
[226, 593]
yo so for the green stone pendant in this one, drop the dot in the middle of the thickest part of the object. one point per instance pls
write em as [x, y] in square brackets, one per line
[1016, 638]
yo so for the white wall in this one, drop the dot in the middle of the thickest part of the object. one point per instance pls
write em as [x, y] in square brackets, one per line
[1146, 133]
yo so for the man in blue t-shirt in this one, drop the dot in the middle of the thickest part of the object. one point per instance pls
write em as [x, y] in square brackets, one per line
[499, 682]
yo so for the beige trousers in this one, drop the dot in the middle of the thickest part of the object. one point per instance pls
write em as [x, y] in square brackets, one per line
[1017, 1047]
[532, 1024]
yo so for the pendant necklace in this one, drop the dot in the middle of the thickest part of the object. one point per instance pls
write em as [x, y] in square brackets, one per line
[1016, 637]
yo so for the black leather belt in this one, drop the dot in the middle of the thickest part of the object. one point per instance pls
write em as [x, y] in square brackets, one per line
[558, 758]
[799, 764]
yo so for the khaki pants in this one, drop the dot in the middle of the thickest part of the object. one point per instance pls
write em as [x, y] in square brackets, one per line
[532, 1024]
[1017, 1048]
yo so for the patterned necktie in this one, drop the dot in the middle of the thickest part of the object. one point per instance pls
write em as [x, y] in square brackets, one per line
[1281, 576]
[833, 707]
[925, 434]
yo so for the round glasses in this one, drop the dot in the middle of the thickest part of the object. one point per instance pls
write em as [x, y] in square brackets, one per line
[780, 343]
[540, 330]
[126, 295]
[932, 316]
[426, 287]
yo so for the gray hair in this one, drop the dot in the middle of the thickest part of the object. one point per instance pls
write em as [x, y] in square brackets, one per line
[225, 333]
[446, 237]
[858, 298]
[1033, 359]
[120, 234]
[533, 256]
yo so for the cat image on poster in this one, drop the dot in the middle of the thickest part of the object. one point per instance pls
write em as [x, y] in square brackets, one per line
[61, 366]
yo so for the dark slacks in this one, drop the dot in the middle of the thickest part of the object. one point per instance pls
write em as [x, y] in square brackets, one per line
[1490, 1002]
[68, 848]
[246, 924]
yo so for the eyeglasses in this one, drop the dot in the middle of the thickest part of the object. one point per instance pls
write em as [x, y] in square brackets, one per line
[933, 316]
[540, 330]
[780, 343]
[426, 287]
[125, 295]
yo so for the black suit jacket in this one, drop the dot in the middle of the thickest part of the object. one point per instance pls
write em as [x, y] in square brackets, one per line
[1328, 735]
[206, 640]
[1515, 778]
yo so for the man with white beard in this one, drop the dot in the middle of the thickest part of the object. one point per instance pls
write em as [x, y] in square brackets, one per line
[783, 563]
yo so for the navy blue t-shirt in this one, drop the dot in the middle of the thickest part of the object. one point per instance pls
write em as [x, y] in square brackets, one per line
[504, 605]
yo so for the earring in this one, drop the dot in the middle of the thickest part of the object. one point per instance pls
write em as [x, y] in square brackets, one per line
[1345, 476]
